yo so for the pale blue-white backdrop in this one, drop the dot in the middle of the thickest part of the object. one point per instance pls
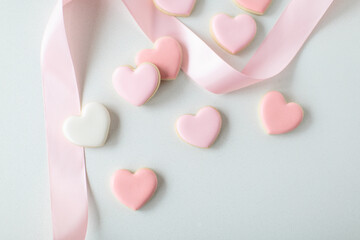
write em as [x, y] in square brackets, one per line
[302, 185]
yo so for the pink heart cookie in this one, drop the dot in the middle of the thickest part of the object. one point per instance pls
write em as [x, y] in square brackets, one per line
[200, 130]
[134, 190]
[233, 34]
[138, 85]
[166, 55]
[254, 6]
[182, 8]
[279, 116]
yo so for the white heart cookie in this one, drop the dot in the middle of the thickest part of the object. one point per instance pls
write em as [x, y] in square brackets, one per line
[91, 128]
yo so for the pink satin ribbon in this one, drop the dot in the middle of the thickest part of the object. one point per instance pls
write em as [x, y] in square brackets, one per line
[210, 71]
[62, 98]
[68, 190]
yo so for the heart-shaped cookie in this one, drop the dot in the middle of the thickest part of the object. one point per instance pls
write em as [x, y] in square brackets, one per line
[134, 190]
[233, 34]
[278, 116]
[257, 7]
[177, 8]
[200, 130]
[166, 55]
[138, 85]
[91, 128]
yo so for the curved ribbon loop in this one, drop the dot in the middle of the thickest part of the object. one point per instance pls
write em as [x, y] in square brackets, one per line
[210, 71]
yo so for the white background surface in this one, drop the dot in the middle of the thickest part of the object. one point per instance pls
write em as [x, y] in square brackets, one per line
[302, 185]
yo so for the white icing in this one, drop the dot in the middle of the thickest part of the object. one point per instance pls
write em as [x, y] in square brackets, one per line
[91, 128]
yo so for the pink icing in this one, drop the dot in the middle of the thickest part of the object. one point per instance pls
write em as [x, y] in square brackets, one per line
[166, 55]
[233, 34]
[175, 7]
[200, 130]
[254, 6]
[134, 190]
[279, 116]
[136, 86]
